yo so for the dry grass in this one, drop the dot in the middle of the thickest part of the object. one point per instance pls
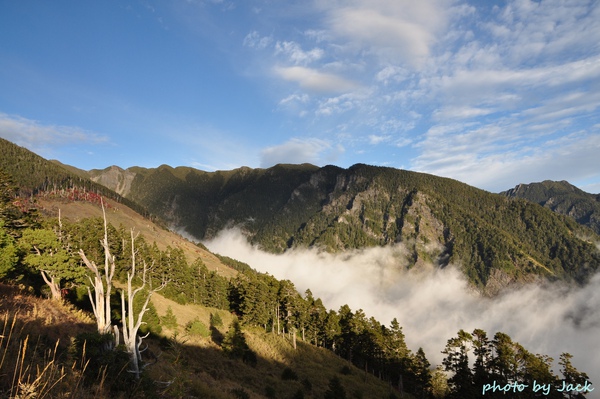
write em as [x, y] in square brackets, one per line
[35, 362]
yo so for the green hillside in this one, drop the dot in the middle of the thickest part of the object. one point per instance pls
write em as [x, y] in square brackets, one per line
[563, 198]
[33, 174]
[497, 240]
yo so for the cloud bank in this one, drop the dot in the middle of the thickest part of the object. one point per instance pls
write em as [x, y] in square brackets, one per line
[433, 304]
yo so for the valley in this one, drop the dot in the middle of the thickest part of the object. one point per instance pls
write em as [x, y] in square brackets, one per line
[377, 252]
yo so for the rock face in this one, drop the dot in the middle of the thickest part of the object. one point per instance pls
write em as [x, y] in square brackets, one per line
[117, 179]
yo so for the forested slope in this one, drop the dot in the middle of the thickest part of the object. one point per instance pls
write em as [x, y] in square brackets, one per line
[497, 240]
[563, 198]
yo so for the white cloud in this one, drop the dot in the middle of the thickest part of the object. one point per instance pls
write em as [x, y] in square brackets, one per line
[489, 160]
[295, 98]
[254, 40]
[297, 151]
[392, 30]
[375, 139]
[475, 89]
[391, 74]
[295, 53]
[432, 304]
[342, 103]
[36, 136]
[316, 81]
[465, 112]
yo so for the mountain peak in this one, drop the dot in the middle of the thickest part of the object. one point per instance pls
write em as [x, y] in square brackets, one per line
[562, 197]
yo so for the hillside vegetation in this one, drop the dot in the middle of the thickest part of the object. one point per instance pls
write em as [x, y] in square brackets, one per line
[563, 198]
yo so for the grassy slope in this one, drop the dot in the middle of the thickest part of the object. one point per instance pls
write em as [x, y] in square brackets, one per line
[119, 214]
[187, 366]
[207, 373]
[182, 366]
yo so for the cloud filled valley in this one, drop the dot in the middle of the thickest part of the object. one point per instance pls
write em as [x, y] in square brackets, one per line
[432, 304]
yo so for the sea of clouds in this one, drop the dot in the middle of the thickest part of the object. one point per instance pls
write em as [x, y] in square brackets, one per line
[432, 304]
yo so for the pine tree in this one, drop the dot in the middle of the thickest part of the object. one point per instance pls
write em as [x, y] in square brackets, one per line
[169, 320]
[571, 375]
[46, 255]
[457, 363]
[482, 351]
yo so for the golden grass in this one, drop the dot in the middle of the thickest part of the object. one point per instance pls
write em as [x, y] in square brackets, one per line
[119, 214]
[35, 361]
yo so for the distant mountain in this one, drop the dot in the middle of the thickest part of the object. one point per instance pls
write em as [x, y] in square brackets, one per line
[34, 174]
[496, 240]
[564, 198]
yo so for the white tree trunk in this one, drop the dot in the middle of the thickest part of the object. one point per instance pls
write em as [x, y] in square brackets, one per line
[131, 322]
[101, 298]
[54, 285]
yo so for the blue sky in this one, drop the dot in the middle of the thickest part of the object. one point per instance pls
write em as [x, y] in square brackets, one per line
[491, 93]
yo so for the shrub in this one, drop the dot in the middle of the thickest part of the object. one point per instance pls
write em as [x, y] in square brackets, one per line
[169, 320]
[336, 390]
[196, 327]
[307, 384]
[215, 320]
[270, 392]
[289, 374]
[98, 352]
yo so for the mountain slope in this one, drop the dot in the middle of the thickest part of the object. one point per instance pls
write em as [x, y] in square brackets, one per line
[33, 174]
[497, 240]
[564, 198]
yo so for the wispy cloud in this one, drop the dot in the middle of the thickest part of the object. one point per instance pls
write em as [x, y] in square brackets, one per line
[314, 80]
[474, 159]
[254, 40]
[391, 30]
[312, 150]
[40, 137]
[296, 55]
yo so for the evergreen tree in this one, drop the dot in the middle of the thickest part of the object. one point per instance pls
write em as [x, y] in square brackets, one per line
[44, 253]
[504, 366]
[482, 351]
[8, 252]
[234, 343]
[332, 331]
[457, 363]
[169, 320]
[572, 376]
[422, 374]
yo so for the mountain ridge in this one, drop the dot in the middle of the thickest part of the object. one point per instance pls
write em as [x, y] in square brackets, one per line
[498, 240]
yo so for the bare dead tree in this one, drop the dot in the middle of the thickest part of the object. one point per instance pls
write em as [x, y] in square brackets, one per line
[131, 322]
[102, 283]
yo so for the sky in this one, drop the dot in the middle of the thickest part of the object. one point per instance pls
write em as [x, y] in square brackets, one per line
[491, 93]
